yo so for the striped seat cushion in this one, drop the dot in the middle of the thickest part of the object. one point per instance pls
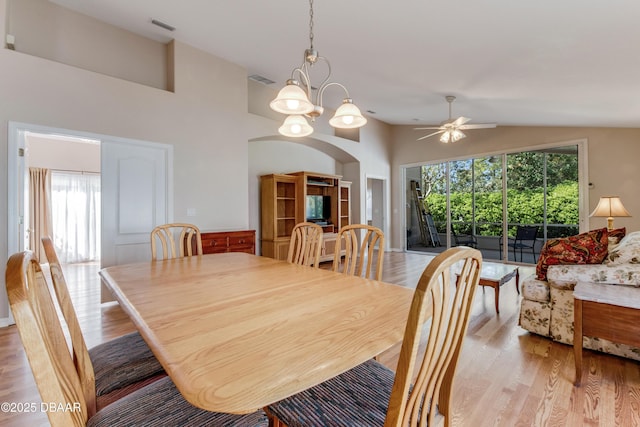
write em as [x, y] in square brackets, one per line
[357, 398]
[161, 404]
[121, 362]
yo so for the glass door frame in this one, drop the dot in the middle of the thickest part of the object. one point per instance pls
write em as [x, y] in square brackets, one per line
[583, 185]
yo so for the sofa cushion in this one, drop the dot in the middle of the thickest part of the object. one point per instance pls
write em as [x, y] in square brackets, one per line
[535, 290]
[586, 248]
[566, 276]
[627, 252]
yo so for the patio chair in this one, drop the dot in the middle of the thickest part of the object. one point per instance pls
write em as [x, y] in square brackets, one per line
[463, 239]
[525, 239]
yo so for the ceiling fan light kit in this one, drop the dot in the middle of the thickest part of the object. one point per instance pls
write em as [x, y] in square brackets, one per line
[451, 130]
[298, 101]
[452, 136]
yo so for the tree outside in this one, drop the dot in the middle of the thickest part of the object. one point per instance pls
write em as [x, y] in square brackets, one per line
[535, 180]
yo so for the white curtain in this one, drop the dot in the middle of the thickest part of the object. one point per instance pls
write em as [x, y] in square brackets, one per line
[75, 201]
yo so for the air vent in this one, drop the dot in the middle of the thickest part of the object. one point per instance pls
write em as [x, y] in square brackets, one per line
[260, 79]
[163, 25]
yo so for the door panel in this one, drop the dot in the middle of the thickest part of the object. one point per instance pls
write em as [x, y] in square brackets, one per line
[136, 197]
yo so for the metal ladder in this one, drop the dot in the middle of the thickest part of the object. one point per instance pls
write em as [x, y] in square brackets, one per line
[428, 232]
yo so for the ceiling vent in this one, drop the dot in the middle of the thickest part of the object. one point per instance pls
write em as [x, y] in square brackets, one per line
[163, 25]
[260, 79]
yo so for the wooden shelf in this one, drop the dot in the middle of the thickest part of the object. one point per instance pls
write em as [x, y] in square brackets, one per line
[284, 204]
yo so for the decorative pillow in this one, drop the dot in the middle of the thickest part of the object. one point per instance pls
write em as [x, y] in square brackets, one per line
[627, 252]
[615, 236]
[586, 248]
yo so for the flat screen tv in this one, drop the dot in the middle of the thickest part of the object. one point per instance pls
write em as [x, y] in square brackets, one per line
[318, 208]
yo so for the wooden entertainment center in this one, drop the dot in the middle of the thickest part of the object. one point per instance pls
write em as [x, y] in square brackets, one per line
[288, 199]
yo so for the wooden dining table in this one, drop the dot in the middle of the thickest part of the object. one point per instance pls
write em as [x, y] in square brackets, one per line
[237, 332]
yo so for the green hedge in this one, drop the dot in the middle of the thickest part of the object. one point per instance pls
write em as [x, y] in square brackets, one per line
[523, 207]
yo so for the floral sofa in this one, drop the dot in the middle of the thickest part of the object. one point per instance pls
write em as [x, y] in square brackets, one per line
[547, 298]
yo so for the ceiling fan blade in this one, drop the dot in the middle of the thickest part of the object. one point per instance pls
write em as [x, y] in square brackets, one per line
[432, 127]
[427, 136]
[459, 122]
[478, 126]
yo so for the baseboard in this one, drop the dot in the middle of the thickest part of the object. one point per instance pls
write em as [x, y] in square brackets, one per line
[5, 321]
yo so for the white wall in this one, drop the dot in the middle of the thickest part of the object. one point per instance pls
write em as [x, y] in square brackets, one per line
[612, 161]
[204, 120]
[209, 117]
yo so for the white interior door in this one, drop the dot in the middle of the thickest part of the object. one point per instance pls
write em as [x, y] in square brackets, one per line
[136, 196]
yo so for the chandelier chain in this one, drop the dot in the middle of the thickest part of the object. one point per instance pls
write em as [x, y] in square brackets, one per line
[311, 23]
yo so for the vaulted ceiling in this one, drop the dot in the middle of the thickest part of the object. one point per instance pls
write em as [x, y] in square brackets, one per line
[548, 62]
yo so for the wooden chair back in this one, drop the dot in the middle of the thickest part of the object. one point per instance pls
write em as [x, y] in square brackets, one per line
[80, 351]
[44, 341]
[360, 242]
[413, 402]
[305, 244]
[177, 240]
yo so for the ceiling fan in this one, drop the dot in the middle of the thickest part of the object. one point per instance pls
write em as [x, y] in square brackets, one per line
[450, 129]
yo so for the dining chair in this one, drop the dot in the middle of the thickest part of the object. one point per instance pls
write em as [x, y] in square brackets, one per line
[306, 244]
[361, 242]
[58, 382]
[371, 394]
[525, 238]
[177, 240]
[109, 370]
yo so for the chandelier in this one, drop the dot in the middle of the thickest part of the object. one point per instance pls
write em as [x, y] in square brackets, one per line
[300, 99]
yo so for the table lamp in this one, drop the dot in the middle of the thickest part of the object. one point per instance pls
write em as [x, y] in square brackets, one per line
[610, 206]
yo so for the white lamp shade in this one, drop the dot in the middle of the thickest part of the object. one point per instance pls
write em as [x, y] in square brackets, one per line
[347, 116]
[452, 136]
[295, 126]
[292, 100]
[610, 206]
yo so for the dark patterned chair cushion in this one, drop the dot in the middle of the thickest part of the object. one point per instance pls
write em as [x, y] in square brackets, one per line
[161, 404]
[586, 248]
[359, 397]
[122, 361]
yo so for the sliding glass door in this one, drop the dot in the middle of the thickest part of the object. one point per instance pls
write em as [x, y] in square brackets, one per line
[492, 201]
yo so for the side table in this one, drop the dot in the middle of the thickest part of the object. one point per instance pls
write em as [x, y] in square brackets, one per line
[495, 275]
[611, 312]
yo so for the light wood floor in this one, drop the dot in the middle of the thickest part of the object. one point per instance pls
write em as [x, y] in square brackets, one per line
[506, 376]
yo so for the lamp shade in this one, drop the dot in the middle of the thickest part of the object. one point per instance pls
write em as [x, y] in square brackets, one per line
[291, 100]
[295, 126]
[452, 136]
[347, 116]
[609, 207]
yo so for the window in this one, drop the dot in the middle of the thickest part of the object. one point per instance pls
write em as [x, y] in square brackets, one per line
[489, 196]
[75, 205]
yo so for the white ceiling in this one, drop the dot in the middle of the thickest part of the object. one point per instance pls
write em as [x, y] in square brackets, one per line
[513, 62]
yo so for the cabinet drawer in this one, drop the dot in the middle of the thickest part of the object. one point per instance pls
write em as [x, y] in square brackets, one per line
[241, 240]
[214, 245]
[229, 241]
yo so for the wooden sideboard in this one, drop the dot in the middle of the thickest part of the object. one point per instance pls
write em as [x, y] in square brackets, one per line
[229, 241]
